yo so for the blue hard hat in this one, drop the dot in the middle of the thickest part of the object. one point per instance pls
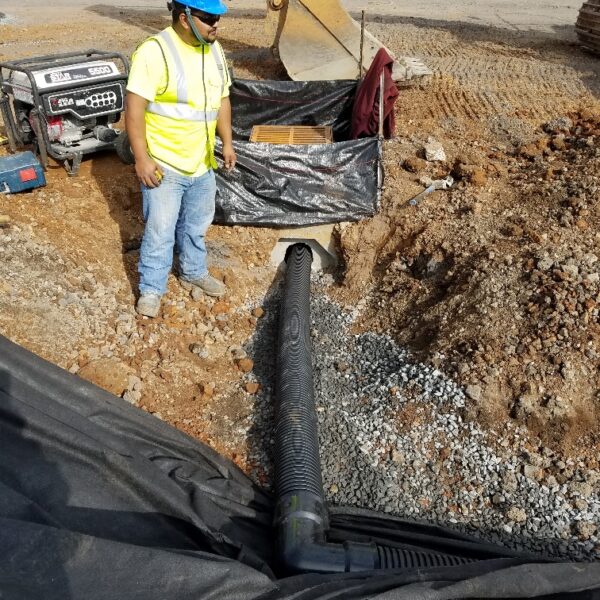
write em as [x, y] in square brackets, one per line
[213, 7]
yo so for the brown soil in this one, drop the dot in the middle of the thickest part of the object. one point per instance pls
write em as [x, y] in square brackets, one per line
[456, 277]
[459, 277]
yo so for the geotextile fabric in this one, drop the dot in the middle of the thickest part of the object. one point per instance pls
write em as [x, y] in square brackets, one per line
[285, 185]
[100, 500]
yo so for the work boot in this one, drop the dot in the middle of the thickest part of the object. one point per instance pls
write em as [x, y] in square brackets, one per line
[208, 284]
[148, 305]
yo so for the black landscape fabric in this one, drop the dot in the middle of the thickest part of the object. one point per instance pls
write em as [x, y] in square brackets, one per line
[100, 500]
[291, 185]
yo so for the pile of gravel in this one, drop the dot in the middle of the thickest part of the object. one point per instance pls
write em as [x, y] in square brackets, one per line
[393, 439]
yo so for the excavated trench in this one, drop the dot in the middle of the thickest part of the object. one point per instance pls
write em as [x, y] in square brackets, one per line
[390, 434]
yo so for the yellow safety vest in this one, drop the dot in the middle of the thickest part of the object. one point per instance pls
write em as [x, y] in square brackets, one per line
[181, 122]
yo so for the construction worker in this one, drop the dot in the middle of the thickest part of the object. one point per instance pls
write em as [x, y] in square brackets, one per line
[178, 98]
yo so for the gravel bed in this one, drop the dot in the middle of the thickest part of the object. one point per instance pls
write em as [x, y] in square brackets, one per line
[393, 439]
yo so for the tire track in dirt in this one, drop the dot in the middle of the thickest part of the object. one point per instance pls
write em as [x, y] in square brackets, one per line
[477, 79]
[480, 92]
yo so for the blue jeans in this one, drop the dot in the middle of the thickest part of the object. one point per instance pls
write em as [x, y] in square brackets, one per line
[178, 211]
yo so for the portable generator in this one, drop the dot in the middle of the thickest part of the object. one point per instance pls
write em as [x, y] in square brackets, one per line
[64, 105]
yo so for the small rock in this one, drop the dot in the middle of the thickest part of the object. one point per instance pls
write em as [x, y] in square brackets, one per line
[258, 312]
[239, 353]
[208, 389]
[533, 472]
[397, 457]
[478, 177]
[514, 230]
[199, 350]
[220, 308]
[585, 529]
[582, 224]
[132, 397]
[108, 373]
[252, 387]
[133, 382]
[561, 124]
[230, 280]
[245, 365]
[571, 270]
[473, 392]
[518, 515]
[197, 294]
[583, 489]
[545, 264]
[342, 366]
[414, 164]
[434, 151]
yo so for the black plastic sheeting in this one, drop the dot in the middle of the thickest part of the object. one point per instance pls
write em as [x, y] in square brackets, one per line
[100, 500]
[290, 185]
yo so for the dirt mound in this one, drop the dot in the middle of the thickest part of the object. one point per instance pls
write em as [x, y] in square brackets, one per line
[500, 284]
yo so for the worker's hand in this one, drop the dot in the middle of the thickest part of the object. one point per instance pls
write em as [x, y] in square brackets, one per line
[229, 156]
[149, 172]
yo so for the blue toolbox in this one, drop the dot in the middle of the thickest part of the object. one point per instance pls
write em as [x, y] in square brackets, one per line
[20, 172]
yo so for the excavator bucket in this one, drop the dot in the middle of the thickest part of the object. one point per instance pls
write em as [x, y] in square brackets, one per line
[319, 40]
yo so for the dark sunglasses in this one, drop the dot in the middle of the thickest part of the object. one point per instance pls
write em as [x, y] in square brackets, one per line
[210, 20]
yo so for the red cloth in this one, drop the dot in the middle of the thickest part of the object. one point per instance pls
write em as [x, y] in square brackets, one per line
[365, 112]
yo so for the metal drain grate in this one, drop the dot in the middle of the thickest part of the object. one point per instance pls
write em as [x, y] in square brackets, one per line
[291, 134]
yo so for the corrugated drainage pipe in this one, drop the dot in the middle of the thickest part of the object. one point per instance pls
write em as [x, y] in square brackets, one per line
[301, 518]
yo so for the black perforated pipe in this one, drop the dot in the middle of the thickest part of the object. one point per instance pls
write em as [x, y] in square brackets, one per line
[301, 516]
[400, 558]
[297, 465]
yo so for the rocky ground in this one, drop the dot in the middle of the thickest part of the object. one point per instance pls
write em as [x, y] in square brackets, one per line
[504, 293]
[464, 389]
[396, 435]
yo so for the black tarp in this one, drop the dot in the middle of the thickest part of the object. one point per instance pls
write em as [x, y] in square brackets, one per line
[288, 185]
[100, 500]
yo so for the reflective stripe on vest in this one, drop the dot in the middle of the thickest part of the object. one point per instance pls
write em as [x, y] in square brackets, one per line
[182, 112]
[180, 109]
[182, 90]
[217, 56]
